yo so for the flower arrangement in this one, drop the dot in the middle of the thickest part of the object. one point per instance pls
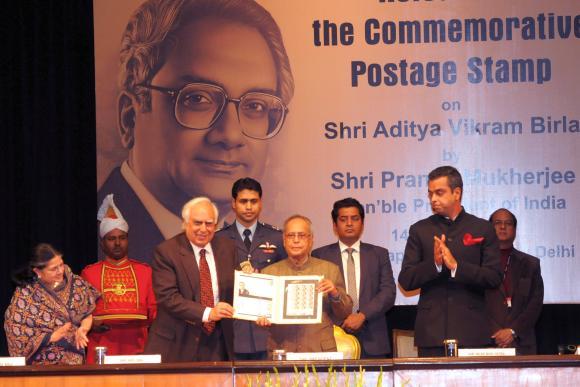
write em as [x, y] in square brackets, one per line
[307, 378]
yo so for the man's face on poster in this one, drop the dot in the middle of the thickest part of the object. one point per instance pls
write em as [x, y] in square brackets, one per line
[175, 161]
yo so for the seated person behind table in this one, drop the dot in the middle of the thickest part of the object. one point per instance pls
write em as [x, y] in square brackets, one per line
[337, 305]
[50, 313]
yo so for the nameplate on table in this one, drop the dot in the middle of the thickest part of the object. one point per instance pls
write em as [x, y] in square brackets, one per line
[133, 359]
[314, 356]
[12, 361]
[486, 352]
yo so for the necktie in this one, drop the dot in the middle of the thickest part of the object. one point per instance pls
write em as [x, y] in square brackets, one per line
[206, 290]
[247, 241]
[351, 274]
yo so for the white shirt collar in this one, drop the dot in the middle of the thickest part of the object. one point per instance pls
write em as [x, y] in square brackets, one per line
[355, 246]
[241, 228]
[197, 249]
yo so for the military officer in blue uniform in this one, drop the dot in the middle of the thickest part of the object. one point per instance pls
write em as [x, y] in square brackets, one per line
[258, 245]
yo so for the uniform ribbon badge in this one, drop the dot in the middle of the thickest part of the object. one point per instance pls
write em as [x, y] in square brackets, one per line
[267, 247]
[469, 240]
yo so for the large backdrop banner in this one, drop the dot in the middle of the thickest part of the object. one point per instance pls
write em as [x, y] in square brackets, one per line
[326, 99]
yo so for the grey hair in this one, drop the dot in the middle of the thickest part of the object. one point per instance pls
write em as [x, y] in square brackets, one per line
[186, 210]
[302, 217]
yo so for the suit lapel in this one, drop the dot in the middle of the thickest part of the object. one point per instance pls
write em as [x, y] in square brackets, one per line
[236, 235]
[237, 238]
[189, 264]
[515, 272]
[336, 257]
[501, 289]
[219, 267]
[364, 259]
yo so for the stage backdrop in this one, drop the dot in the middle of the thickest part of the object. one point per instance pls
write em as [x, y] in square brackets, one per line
[385, 91]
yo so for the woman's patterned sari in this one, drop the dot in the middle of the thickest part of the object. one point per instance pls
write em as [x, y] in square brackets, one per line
[36, 311]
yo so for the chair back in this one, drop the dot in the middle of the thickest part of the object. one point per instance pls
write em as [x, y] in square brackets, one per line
[346, 343]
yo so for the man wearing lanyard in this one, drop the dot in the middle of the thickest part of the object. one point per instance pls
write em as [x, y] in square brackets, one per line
[514, 307]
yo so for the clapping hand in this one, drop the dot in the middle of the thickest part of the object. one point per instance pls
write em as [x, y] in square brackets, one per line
[443, 253]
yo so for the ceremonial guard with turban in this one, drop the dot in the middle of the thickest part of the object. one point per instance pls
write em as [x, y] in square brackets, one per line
[127, 307]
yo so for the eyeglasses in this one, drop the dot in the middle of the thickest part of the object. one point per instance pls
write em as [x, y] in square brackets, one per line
[296, 235]
[199, 105]
[55, 269]
[506, 223]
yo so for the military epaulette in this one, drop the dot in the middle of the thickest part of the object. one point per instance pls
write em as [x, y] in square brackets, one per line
[225, 226]
[269, 226]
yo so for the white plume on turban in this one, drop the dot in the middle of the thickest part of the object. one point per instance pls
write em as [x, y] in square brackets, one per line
[110, 217]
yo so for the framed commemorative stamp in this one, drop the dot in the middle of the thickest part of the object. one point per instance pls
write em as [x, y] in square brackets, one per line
[281, 299]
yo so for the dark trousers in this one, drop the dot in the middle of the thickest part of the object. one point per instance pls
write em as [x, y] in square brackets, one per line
[212, 347]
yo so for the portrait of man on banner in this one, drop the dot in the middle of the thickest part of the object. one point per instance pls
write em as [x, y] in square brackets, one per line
[203, 87]
[320, 100]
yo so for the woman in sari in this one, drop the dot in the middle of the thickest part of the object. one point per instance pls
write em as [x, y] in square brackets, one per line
[50, 312]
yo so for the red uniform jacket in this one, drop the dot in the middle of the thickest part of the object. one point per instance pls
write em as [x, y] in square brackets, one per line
[127, 306]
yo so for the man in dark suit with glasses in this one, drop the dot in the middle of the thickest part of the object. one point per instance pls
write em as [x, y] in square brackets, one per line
[515, 306]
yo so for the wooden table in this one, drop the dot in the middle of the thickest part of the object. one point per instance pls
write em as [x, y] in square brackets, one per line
[544, 371]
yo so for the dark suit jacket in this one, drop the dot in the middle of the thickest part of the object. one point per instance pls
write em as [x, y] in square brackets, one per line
[175, 333]
[527, 300]
[377, 293]
[451, 308]
[249, 337]
[143, 232]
